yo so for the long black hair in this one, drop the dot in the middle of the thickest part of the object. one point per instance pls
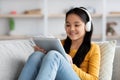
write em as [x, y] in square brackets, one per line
[86, 45]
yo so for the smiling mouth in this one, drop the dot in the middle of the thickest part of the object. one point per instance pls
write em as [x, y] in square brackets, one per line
[73, 33]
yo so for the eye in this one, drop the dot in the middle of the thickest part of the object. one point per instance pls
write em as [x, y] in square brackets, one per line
[67, 25]
[77, 25]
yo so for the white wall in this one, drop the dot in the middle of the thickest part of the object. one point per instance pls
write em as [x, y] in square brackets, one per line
[56, 25]
[113, 5]
[23, 26]
[34, 26]
[56, 6]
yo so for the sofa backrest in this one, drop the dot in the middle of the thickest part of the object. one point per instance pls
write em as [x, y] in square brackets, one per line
[116, 65]
[13, 54]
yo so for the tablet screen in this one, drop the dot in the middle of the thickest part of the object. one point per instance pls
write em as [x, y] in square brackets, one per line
[50, 44]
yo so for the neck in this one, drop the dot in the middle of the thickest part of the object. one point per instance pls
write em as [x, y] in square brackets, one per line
[76, 43]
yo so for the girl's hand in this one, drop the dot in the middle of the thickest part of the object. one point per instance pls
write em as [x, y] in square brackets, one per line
[37, 48]
[69, 58]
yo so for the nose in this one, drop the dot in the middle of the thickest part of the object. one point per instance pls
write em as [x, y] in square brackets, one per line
[72, 28]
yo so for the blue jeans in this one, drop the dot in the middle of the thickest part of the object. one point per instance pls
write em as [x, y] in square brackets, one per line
[50, 66]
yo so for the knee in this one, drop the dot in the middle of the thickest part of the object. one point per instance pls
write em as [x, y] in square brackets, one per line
[53, 53]
[36, 55]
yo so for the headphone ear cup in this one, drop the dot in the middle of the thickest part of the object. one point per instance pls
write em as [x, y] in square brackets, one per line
[88, 26]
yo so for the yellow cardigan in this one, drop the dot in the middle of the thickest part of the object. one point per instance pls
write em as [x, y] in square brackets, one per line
[89, 69]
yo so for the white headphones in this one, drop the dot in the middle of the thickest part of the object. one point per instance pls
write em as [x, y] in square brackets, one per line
[88, 24]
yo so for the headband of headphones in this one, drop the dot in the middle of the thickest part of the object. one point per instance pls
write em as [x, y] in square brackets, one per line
[88, 24]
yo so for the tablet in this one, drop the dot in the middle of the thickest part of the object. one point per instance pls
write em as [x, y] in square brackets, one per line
[50, 44]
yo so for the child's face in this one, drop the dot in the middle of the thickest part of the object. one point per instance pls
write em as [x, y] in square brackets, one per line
[75, 27]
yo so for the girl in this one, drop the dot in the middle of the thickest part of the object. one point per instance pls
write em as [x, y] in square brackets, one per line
[83, 56]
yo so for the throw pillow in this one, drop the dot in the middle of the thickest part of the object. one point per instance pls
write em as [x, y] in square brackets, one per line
[107, 49]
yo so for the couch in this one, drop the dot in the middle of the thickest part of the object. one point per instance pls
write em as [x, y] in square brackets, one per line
[14, 53]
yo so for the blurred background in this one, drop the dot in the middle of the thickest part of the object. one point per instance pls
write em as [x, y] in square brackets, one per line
[27, 18]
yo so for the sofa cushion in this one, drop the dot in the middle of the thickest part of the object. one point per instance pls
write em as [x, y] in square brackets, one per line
[14, 53]
[107, 49]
